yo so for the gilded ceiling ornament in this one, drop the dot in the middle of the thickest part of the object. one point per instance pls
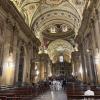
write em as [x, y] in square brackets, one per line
[54, 2]
[78, 2]
[29, 10]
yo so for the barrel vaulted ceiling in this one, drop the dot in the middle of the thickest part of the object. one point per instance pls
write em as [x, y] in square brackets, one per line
[53, 20]
[30, 9]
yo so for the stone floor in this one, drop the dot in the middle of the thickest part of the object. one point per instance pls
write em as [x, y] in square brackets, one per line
[52, 95]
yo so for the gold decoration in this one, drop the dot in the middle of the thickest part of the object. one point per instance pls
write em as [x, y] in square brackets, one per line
[54, 2]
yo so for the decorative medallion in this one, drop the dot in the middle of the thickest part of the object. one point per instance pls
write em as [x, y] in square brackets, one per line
[54, 2]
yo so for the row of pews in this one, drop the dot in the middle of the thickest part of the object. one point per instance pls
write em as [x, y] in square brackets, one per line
[23, 92]
[76, 92]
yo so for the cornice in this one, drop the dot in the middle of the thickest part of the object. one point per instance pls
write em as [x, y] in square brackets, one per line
[65, 36]
[87, 15]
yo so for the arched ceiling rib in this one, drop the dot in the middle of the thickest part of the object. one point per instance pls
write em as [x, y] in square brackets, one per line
[56, 16]
[31, 8]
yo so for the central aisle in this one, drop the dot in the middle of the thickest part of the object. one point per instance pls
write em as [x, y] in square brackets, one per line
[52, 95]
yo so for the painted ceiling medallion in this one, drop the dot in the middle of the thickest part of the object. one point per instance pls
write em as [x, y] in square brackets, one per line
[54, 2]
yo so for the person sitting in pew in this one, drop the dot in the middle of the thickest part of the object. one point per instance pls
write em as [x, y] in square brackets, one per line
[89, 92]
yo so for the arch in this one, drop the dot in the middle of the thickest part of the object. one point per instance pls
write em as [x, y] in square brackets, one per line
[59, 46]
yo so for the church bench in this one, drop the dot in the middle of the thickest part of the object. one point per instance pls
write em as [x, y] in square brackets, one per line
[3, 98]
[16, 98]
[71, 91]
[7, 94]
[20, 98]
[75, 93]
[21, 93]
[16, 92]
[72, 97]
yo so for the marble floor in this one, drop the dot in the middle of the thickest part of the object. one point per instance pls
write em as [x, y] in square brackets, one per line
[52, 95]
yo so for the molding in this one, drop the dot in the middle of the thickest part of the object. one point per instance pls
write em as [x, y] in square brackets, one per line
[56, 14]
[87, 15]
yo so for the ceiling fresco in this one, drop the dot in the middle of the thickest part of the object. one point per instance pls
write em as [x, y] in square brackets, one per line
[54, 22]
[27, 8]
[30, 8]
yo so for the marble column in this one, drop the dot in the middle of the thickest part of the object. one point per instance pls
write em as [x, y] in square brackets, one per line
[78, 70]
[35, 64]
[19, 43]
[1, 46]
[26, 70]
[81, 48]
[8, 61]
[95, 35]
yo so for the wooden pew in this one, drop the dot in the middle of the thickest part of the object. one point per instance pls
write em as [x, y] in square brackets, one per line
[20, 98]
[76, 92]
[3, 98]
[23, 92]
[78, 97]
[81, 91]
